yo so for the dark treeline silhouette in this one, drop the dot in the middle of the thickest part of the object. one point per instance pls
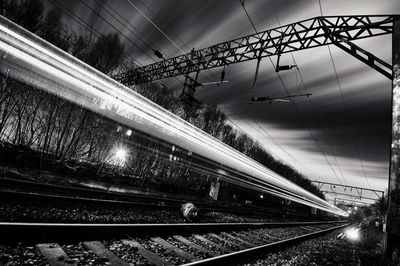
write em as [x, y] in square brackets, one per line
[70, 135]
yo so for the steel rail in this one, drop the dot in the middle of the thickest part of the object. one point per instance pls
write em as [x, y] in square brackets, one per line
[235, 257]
[27, 190]
[15, 232]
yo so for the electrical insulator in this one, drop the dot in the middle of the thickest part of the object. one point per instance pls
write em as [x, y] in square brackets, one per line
[258, 99]
[222, 75]
[285, 67]
[158, 54]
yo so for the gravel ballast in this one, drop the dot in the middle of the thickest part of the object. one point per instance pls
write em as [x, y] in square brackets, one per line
[323, 250]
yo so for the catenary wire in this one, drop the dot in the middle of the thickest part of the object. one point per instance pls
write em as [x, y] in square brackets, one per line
[295, 107]
[297, 71]
[344, 102]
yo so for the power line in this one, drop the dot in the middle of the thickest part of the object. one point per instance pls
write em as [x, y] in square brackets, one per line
[305, 88]
[170, 32]
[165, 34]
[294, 106]
[343, 100]
[126, 37]
[160, 30]
[280, 78]
[276, 143]
[125, 21]
[115, 28]
[82, 23]
[85, 25]
[146, 42]
[245, 10]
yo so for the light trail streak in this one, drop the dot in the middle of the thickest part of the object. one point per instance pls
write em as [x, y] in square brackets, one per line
[27, 58]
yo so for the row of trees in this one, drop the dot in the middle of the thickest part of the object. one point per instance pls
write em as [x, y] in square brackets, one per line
[52, 126]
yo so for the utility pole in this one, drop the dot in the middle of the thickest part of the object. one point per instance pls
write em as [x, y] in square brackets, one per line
[393, 214]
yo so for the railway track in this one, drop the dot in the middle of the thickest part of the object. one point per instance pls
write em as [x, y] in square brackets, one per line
[155, 244]
[28, 190]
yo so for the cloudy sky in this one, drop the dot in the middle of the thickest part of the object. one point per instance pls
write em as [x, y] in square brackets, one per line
[327, 137]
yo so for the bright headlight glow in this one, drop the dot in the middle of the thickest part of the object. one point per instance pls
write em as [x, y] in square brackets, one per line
[28, 58]
[119, 156]
[353, 234]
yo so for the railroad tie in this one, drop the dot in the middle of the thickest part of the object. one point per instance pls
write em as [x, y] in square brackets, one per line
[224, 249]
[249, 238]
[237, 238]
[194, 246]
[264, 237]
[226, 240]
[104, 253]
[308, 228]
[150, 256]
[176, 250]
[54, 254]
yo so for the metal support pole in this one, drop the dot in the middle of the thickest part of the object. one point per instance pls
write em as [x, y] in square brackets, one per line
[393, 214]
[253, 88]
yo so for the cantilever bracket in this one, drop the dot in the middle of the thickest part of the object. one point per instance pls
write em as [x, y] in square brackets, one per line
[359, 53]
[189, 88]
[366, 57]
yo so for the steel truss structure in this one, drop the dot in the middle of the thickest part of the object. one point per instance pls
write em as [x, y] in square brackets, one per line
[358, 190]
[338, 201]
[314, 32]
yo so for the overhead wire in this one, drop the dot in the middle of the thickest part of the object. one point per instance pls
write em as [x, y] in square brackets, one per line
[143, 39]
[158, 28]
[126, 37]
[171, 33]
[115, 28]
[125, 22]
[344, 102]
[269, 135]
[248, 16]
[299, 76]
[164, 33]
[59, 6]
[275, 142]
[294, 106]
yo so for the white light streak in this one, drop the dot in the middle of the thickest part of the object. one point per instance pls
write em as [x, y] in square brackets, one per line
[36, 62]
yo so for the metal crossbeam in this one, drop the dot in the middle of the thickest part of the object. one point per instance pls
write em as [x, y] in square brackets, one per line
[342, 200]
[359, 190]
[297, 36]
[346, 194]
[364, 56]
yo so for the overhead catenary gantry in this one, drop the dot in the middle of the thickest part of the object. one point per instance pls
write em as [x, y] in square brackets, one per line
[314, 32]
[339, 201]
[328, 187]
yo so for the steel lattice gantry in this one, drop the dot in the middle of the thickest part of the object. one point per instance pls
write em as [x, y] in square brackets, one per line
[314, 32]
